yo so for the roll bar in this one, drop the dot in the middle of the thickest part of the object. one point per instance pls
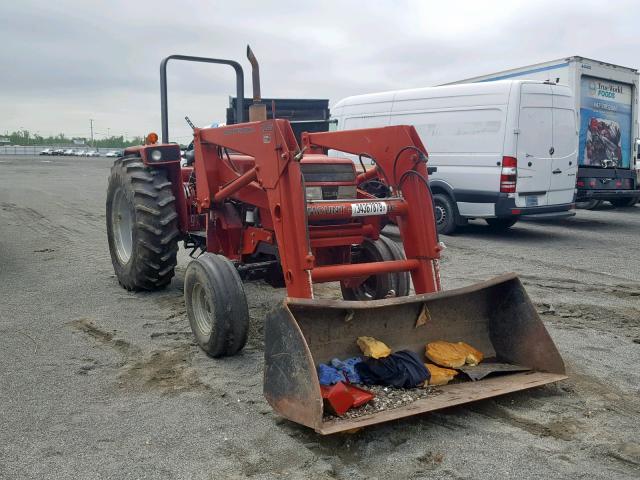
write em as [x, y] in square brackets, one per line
[163, 87]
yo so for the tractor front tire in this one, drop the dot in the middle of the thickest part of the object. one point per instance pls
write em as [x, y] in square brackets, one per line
[142, 225]
[380, 286]
[216, 305]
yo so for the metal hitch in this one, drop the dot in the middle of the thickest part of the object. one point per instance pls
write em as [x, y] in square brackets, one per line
[495, 316]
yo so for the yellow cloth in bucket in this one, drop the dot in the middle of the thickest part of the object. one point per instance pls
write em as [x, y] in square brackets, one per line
[440, 375]
[373, 348]
[453, 355]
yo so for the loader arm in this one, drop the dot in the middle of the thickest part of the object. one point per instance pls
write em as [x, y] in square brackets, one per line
[397, 150]
[273, 146]
[275, 151]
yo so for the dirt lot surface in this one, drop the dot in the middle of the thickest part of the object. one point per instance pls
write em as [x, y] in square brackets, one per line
[97, 382]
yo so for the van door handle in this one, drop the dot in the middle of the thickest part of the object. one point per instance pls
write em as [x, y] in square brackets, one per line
[557, 170]
[527, 155]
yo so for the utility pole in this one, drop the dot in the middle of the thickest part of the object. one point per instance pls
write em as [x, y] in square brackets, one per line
[91, 123]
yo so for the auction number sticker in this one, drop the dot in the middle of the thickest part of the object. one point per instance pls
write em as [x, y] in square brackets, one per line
[363, 209]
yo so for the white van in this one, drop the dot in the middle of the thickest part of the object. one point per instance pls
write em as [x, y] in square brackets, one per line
[502, 149]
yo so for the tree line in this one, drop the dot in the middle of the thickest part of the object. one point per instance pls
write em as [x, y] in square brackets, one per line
[26, 138]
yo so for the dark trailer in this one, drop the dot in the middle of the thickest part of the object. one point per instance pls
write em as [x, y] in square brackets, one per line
[305, 115]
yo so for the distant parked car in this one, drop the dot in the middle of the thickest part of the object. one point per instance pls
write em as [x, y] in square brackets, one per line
[92, 153]
[114, 153]
[58, 151]
[47, 151]
[69, 151]
[80, 153]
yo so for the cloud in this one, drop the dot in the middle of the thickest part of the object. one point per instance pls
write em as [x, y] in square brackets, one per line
[67, 61]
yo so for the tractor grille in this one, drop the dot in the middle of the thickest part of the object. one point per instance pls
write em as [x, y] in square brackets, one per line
[328, 172]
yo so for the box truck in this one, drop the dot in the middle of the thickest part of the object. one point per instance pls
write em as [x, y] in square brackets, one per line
[502, 150]
[606, 97]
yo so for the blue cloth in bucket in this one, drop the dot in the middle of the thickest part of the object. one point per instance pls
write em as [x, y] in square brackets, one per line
[328, 375]
[348, 368]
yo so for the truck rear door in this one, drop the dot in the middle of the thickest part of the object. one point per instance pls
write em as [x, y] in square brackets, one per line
[565, 147]
[535, 145]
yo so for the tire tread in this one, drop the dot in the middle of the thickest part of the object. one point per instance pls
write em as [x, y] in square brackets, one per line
[156, 235]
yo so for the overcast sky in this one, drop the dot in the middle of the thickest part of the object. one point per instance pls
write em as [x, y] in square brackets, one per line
[65, 62]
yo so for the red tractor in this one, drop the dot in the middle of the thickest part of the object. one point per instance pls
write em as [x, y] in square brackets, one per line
[259, 206]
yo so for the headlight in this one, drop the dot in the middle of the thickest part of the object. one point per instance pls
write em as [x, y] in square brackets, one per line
[314, 193]
[156, 155]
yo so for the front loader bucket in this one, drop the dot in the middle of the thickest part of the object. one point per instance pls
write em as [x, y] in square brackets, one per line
[496, 317]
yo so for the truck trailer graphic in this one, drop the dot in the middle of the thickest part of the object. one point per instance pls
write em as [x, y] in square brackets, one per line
[605, 118]
[603, 146]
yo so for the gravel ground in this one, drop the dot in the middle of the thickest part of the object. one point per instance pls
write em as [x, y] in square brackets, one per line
[97, 382]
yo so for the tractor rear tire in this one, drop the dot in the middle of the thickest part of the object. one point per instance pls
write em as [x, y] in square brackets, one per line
[142, 225]
[216, 305]
[380, 286]
[402, 279]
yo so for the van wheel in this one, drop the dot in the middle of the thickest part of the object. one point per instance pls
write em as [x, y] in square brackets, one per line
[589, 204]
[499, 224]
[445, 213]
[624, 202]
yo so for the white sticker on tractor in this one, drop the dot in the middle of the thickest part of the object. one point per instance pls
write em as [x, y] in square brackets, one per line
[364, 209]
